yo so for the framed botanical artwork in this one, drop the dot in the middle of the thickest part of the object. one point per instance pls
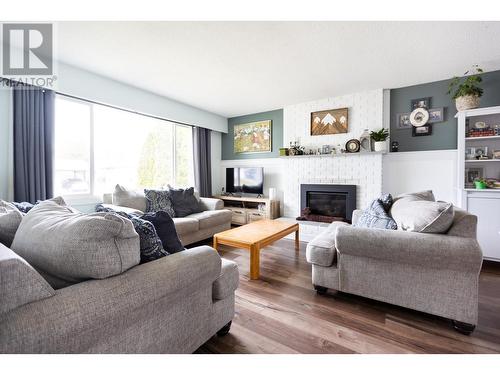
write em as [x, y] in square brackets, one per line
[403, 121]
[332, 121]
[471, 174]
[421, 103]
[421, 130]
[436, 115]
[253, 137]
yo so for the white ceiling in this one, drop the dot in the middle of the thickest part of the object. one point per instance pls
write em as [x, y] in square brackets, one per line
[235, 68]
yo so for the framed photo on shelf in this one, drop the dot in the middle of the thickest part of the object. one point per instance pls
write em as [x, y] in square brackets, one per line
[471, 174]
[421, 130]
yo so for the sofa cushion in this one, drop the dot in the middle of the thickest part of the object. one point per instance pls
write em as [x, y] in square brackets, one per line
[129, 198]
[376, 216]
[321, 249]
[423, 216]
[228, 280]
[159, 200]
[73, 247]
[208, 219]
[10, 218]
[19, 282]
[165, 228]
[185, 225]
[184, 201]
[114, 208]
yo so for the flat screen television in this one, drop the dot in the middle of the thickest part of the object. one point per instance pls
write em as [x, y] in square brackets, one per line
[245, 180]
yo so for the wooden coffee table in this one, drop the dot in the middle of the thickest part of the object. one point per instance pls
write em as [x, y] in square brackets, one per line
[255, 236]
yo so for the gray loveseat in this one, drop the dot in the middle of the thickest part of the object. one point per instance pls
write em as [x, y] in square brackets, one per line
[171, 305]
[192, 228]
[433, 273]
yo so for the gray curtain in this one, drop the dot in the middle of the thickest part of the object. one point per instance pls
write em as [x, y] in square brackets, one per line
[33, 143]
[202, 164]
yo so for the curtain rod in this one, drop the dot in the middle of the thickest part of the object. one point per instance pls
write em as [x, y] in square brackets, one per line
[126, 110]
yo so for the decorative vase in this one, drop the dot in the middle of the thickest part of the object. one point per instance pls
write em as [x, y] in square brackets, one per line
[380, 146]
[365, 141]
[467, 102]
[480, 184]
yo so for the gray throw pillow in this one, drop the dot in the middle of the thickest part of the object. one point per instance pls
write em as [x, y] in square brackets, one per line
[426, 195]
[423, 216]
[129, 198]
[72, 247]
[184, 201]
[159, 200]
[10, 218]
[21, 284]
[376, 216]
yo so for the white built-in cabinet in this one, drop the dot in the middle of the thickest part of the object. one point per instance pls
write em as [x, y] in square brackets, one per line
[483, 203]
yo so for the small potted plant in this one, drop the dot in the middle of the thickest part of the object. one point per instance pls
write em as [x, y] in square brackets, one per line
[467, 90]
[480, 183]
[379, 138]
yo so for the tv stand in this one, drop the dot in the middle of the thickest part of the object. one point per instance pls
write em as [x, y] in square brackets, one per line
[246, 209]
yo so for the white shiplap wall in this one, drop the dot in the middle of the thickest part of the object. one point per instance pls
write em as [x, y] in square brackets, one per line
[286, 174]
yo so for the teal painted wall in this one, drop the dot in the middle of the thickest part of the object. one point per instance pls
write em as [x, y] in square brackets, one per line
[444, 134]
[277, 135]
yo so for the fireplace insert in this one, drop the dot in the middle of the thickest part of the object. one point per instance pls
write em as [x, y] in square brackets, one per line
[327, 202]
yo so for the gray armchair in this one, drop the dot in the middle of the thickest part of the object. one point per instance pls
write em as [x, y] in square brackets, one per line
[433, 273]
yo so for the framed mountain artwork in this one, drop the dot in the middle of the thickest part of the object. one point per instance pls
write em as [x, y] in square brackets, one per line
[253, 137]
[332, 121]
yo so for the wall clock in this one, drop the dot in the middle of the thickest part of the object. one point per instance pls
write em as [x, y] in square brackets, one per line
[352, 145]
[419, 117]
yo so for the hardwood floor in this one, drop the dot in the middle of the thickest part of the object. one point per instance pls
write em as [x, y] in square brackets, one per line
[281, 313]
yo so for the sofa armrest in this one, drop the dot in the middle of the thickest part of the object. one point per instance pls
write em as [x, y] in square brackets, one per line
[127, 210]
[211, 204]
[356, 214]
[227, 282]
[424, 249]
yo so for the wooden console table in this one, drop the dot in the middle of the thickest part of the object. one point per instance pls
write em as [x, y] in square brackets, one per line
[254, 237]
[245, 209]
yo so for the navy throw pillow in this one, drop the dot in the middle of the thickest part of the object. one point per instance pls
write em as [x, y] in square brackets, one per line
[165, 228]
[184, 201]
[376, 215]
[150, 243]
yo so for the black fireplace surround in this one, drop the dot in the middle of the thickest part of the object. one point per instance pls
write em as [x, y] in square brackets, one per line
[329, 200]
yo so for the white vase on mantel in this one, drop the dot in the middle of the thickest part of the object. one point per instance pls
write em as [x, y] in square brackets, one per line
[380, 146]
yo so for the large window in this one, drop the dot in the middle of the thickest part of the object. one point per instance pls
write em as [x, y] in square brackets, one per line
[97, 147]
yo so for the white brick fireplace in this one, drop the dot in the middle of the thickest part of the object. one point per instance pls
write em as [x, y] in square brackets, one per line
[366, 110]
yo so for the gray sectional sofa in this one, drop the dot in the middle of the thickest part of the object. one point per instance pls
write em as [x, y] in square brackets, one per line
[433, 273]
[171, 305]
[72, 283]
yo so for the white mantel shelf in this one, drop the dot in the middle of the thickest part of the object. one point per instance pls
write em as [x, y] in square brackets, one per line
[333, 155]
[482, 161]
